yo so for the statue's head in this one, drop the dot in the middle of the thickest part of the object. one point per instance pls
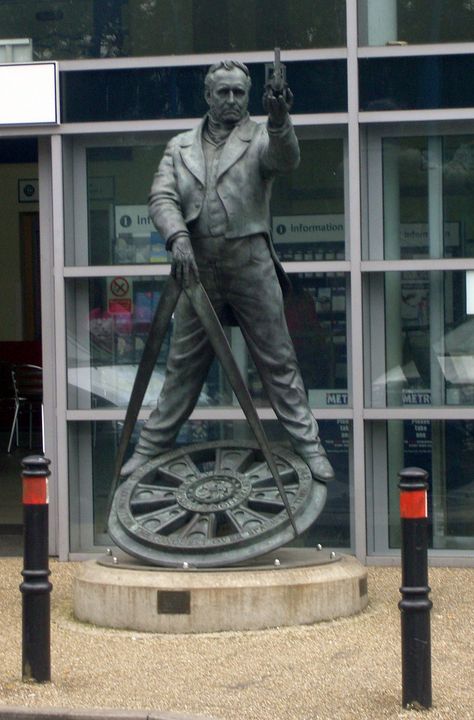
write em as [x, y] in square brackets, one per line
[227, 87]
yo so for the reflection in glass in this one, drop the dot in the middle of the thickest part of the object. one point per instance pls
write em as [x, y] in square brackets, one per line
[108, 321]
[383, 22]
[428, 185]
[412, 82]
[118, 184]
[429, 341]
[176, 91]
[446, 451]
[307, 206]
[73, 29]
[91, 472]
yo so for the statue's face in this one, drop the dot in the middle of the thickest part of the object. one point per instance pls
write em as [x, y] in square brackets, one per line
[228, 96]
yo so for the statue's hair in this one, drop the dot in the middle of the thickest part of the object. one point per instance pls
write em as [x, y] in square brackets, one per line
[226, 65]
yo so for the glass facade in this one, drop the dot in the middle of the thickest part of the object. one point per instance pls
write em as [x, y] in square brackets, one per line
[425, 355]
[308, 206]
[375, 229]
[118, 183]
[424, 208]
[176, 92]
[75, 29]
[92, 455]
[385, 22]
[428, 183]
[411, 83]
[108, 320]
[445, 450]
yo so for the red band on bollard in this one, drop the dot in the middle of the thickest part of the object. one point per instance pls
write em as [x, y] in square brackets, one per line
[413, 504]
[35, 491]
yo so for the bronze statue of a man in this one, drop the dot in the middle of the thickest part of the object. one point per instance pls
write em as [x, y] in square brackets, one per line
[210, 202]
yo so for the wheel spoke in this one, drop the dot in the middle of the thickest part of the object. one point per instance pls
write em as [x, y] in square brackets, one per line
[246, 519]
[270, 500]
[159, 513]
[218, 458]
[266, 501]
[259, 468]
[232, 521]
[236, 459]
[143, 507]
[201, 527]
[266, 479]
[269, 492]
[148, 487]
[178, 471]
[211, 526]
[164, 521]
[151, 497]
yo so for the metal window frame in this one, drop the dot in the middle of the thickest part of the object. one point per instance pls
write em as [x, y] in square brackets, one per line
[377, 500]
[310, 127]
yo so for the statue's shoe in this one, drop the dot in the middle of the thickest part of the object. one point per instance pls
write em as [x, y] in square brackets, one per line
[136, 461]
[314, 455]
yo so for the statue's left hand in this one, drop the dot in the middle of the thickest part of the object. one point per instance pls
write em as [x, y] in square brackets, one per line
[277, 107]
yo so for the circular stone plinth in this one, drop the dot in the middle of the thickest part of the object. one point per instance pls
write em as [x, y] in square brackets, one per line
[191, 601]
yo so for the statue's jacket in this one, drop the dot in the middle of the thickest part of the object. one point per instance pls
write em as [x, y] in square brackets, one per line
[253, 155]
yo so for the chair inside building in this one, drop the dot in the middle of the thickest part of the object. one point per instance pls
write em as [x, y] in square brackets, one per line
[27, 383]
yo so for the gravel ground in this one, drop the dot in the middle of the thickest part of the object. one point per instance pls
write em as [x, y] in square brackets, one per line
[347, 668]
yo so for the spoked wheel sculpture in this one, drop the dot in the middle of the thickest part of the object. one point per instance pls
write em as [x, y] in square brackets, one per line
[212, 505]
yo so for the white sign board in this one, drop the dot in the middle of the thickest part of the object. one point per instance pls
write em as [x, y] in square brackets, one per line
[136, 240]
[29, 94]
[308, 228]
[133, 219]
[330, 228]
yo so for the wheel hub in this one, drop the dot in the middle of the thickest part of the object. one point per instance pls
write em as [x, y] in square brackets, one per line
[214, 492]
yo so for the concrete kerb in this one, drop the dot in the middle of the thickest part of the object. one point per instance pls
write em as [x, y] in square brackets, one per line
[23, 713]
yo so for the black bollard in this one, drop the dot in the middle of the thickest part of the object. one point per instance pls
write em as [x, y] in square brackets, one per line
[36, 588]
[415, 605]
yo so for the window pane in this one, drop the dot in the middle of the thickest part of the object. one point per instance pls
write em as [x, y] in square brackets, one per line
[427, 197]
[425, 353]
[92, 448]
[307, 206]
[382, 22]
[177, 92]
[108, 320]
[411, 83]
[72, 29]
[118, 183]
[446, 451]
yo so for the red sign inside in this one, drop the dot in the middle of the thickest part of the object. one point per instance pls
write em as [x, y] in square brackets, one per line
[119, 306]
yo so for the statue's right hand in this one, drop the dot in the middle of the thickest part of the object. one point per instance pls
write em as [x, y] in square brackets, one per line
[183, 261]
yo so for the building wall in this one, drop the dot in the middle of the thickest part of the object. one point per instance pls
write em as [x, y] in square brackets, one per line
[387, 129]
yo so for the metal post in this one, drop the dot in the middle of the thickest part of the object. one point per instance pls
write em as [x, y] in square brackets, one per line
[36, 588]
[415, 605]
